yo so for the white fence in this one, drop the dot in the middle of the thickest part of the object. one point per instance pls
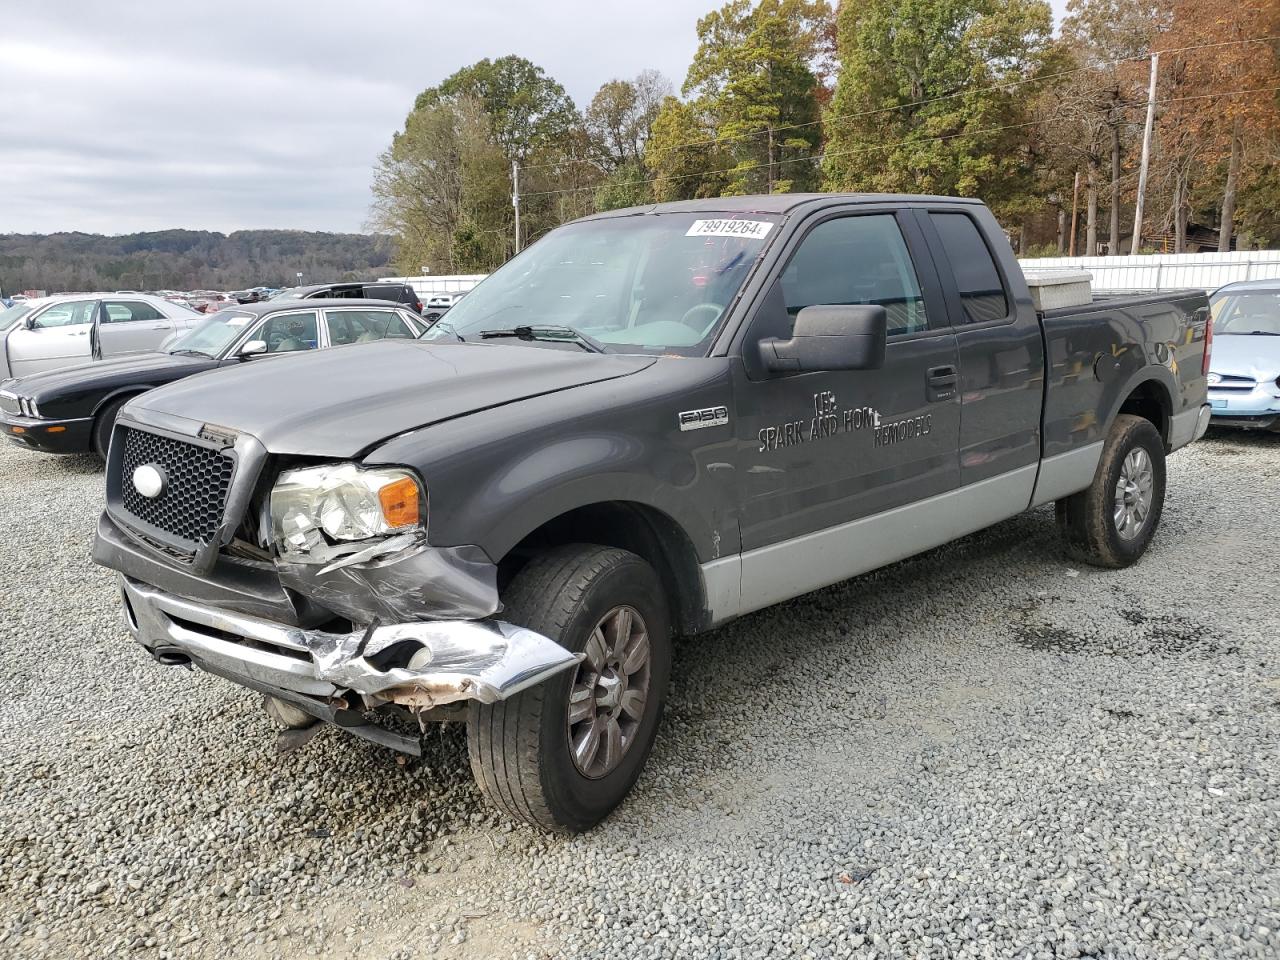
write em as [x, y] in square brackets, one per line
[1168, 271]
[429, 286]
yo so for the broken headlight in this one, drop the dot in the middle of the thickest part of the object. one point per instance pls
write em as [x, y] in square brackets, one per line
[315, 509]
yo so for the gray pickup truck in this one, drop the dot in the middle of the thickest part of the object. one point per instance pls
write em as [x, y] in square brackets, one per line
[649, 423]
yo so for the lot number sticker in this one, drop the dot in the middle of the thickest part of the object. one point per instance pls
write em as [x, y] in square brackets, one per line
[749, 229]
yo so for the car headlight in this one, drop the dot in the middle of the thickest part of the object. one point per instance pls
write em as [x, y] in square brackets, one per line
[29, 407]
[315, 508]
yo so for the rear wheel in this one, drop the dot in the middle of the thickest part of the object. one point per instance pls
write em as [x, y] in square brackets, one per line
[1112, 522]
[563, 754]
[104, 423]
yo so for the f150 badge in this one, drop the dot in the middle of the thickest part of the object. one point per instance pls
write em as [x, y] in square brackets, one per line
[706, 417]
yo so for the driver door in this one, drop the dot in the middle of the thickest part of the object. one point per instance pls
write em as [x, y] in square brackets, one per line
[822, 450]
[57, 337]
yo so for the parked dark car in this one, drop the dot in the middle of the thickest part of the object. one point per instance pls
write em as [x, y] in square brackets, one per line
[650, 422]
[370, 290]
[73, 409]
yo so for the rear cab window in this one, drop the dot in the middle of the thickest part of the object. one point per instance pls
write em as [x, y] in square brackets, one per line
[982, 292]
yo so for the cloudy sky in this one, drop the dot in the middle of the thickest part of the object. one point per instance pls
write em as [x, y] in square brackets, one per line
[223, 115]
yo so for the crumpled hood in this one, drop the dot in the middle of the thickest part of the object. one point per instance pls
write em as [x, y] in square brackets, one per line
[1239, 355]
[341, 401]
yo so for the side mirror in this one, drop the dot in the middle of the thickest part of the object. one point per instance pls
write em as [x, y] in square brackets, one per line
[839, 337]
[254, 348]
[31, 323]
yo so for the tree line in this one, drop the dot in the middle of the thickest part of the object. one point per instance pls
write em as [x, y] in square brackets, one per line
[187, 260]
[958, 97]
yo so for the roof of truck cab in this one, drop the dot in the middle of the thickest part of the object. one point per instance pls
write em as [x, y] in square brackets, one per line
[776, 203]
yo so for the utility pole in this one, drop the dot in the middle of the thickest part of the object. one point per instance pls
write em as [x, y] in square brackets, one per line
[1146, 155]
[1075, 201]
[770, 164]
[515, 197]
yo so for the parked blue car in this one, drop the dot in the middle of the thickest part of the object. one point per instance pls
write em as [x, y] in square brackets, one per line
[1244, 370]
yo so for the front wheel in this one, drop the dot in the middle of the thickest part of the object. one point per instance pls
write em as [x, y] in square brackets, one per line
[1111, 523]
[104, 423]
[563, 754]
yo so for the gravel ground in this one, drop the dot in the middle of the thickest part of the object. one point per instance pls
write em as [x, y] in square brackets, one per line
[980, 752]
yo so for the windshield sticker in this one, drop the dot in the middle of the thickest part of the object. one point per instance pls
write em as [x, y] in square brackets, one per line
[747, 229]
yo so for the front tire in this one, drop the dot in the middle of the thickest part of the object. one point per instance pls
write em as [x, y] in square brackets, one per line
[563, 754]
[1111, 523]
[104, 423]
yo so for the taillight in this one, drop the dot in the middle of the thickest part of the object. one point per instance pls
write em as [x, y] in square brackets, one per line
[418, 305]
[1208, 345]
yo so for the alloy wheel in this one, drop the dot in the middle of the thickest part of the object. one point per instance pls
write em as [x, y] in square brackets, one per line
[609, 692]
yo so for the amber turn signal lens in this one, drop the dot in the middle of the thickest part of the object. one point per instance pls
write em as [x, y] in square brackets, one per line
[399, 501]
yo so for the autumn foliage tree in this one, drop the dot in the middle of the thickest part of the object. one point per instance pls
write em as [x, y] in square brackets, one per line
[922, 103]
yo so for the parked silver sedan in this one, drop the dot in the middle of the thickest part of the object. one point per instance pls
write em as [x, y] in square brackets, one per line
[54, 332]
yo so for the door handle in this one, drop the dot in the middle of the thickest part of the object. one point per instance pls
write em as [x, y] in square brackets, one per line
[162, 326]
[941, 383]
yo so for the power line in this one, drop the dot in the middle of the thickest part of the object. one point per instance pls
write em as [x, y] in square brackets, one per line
[918, 103]
[817, 157]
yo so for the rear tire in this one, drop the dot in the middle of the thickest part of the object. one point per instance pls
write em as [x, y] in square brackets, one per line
[1111, 523]
[104, 423]
[561, 755]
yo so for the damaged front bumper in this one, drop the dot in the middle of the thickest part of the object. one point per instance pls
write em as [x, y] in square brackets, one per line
[414, 665]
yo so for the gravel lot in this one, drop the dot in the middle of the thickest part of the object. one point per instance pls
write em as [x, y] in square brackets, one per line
[980, 752]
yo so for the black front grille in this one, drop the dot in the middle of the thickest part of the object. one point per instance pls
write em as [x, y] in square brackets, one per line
[197, 479]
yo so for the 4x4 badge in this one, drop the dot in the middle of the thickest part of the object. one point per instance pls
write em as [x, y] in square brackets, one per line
[706, 417]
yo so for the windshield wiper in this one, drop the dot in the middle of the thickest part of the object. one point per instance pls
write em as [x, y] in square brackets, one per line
[192, 353]
[552, 334]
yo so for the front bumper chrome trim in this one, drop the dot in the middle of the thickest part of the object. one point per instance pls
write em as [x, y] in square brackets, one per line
[417, 665]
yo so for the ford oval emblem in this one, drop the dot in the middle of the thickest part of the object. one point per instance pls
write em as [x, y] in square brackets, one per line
[149, 480]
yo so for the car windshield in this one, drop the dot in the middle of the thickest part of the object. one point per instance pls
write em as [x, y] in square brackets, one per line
[12, 315]
[635, 284]
[214, 335]
[1241, 314]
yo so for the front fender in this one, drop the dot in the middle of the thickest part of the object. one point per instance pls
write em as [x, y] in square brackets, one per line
[496, 475]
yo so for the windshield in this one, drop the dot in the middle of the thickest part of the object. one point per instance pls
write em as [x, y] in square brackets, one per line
[637, 284]
[214, 335]
[12, 315]
[1246, 313]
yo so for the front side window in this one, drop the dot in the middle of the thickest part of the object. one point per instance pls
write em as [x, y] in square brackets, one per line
[657, 283]
[981, 291]
[365, 326]
[128, 311]
[67, 314]
[856, 260]
[289, 332]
